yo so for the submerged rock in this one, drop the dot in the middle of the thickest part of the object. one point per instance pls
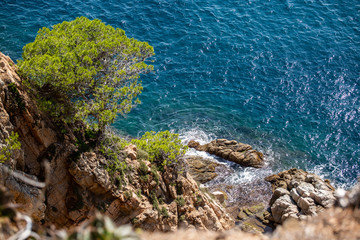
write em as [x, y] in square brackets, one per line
[233, 151]
[201, 169]
[219, 195]
[298, 194]
[251, 219]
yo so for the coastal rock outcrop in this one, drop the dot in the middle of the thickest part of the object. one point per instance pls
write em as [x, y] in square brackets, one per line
[80, 183]
[342, 221]
[153, 200]
[298, 194]
[41, 142]
[201, 169]
[233, 151]
[335, 223]
[18, 113]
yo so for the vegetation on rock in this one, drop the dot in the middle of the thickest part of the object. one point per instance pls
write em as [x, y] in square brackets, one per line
[140, 184]
[85, 70]
[111, 147]
[11, 145]
[163, 147]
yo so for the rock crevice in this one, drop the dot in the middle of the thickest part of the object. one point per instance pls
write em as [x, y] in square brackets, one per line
[298, 194]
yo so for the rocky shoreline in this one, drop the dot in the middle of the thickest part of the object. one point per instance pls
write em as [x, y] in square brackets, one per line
[295, 193]
[298, 194]
[60, 184]
[78, 183]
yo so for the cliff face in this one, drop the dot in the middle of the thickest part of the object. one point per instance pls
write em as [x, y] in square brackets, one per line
[76, 188]
[19, 114]
[39, 142]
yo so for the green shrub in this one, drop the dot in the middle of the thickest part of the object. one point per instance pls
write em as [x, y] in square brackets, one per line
[144, 178]
[155, 174]
[11, 145]
[141, 154]
[138, 193]
[199, 200]
[143, 169]
[85, 70]
[128, 194]
[134, 221]
[16, 96]
[164, 212]
[180, 201]
[111, 146]
[154, 200]
[163, 147]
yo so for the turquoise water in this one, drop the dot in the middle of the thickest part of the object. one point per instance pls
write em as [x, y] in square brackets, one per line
[281, 75]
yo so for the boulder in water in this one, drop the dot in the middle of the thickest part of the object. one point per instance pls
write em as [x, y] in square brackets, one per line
[201, 169]
[233, 151]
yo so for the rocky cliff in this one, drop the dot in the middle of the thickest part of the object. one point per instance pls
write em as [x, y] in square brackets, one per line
[78, 183]
[58, 177]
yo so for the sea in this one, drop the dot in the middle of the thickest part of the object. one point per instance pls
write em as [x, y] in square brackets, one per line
[280, 75]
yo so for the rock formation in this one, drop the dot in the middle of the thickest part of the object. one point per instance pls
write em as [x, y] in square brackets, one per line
[19, 114]
[153, 200]
[233, 151]
[336, 223]
[298, 194]
[79, 184]
[201, 169]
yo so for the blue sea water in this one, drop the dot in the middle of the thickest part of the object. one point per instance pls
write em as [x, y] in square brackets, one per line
[281, 75]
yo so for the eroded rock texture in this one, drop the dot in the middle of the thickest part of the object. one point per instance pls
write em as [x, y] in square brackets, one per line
[233, 151]
[336, 223]
[79, 184]
[298, 194]
[201, 169]
[18, 114]
[151, 200]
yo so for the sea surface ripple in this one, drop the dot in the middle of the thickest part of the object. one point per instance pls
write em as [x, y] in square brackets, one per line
[282, 75]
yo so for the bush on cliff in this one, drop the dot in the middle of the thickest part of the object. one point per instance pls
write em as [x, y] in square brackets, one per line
[112, 147]
[163, 147]
[85, 70]
[11, 145]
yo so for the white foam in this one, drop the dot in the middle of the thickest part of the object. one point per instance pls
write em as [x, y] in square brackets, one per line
[240, 175]
[248, 175]
[196, 134]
